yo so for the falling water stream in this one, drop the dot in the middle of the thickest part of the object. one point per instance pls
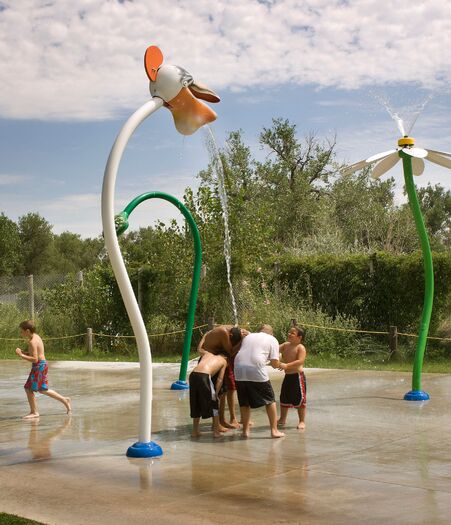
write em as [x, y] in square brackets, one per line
[218, 170]
[412, 112]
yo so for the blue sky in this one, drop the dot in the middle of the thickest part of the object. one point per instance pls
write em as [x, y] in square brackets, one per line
[72, 74]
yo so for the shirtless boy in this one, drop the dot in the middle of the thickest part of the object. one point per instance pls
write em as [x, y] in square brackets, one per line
[37, 380]
[293, 393]
[203, 394]
[227, 338]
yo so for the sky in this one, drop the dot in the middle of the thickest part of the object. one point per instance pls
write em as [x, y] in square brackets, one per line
[71, 73]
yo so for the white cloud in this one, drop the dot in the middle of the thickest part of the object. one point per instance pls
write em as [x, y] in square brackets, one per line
[12, 180]
[82, 60]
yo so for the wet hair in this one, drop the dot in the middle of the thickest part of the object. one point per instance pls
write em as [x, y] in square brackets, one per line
[299, 331]
[28, 325]
[235, 335]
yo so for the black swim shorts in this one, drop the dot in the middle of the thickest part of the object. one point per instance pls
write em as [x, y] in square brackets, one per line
[254, 394]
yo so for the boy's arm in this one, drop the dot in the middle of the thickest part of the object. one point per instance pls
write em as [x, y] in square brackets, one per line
[226, 343]
[295, 365]
[275, 363]
[281, 349]
[220, 379]
[274, 356]
[32, 356]
[200, 347]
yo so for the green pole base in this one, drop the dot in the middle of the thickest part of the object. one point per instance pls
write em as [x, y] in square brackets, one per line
[179, 385]
[416, 395]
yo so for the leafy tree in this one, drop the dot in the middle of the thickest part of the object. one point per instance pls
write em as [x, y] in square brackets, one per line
[74, 253]
[37, 244]
[10, 246]
[435, 203]
[296, 172]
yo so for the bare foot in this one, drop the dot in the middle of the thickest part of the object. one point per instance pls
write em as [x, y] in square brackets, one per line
[245, 435]
[281, 423]
[196, 434]
[234, 424]
[217, 434]
[277, 434]
[301, 426]
[31, 415]
[221, 428]
[68, 405]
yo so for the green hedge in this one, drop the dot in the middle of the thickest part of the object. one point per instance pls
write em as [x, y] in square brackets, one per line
[378, 290]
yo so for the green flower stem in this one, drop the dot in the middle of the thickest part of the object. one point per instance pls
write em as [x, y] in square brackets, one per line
[196, 271]
[428, 270]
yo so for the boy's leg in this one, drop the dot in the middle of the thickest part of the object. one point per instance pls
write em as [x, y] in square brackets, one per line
[223, 425]
[33, 404]
[245, 418]
[217, 432]
[283, 416]
[271, 411]
[231, 404]
[64, 400]
[301, 413]
[196, 432]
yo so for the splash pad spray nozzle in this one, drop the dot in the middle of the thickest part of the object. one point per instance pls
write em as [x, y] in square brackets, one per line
[406, 141]
[413, 164]
[174, 88]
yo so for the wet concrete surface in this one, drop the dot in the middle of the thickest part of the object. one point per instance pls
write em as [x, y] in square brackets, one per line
[366, 456]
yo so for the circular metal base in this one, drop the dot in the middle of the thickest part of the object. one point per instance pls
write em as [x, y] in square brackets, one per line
[179, 385]
[416, 395]
[144, 450]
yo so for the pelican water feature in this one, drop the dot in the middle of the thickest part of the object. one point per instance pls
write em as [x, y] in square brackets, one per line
[413, 164]
[174, 88]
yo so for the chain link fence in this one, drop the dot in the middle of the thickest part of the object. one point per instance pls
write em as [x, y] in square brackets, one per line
[25, 292]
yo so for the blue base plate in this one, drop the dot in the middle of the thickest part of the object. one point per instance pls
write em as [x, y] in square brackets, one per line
[179, 385]
[144, 450]
[416, 395]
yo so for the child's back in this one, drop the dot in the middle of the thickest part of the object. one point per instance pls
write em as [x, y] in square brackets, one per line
[210, 363]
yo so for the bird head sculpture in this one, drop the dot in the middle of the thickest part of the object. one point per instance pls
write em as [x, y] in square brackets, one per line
[180, 93]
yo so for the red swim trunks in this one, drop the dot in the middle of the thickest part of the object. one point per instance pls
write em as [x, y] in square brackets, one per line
[37, 380]
[230, 375]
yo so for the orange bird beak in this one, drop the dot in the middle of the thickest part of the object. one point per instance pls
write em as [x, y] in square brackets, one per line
[189, 113]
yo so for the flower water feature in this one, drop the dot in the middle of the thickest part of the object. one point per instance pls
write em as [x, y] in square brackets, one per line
[173, 87]
[413, 164]
[218, 170]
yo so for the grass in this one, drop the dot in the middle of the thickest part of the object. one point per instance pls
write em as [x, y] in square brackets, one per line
[364, 362]
[80, 354]
[440, 366]
[12, 519]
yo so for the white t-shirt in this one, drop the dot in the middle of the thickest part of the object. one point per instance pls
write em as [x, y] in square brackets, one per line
[255, 352]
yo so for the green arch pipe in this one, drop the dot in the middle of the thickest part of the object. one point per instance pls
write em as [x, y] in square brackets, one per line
[416, 393]
[121, 221]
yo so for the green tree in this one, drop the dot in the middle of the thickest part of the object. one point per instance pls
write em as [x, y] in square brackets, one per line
[36, 239]
[72, 253]
[296, 174]
[435, 203]
[10, 246]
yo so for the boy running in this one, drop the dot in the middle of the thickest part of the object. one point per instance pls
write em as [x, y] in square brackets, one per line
[37, 380]
[293, 393]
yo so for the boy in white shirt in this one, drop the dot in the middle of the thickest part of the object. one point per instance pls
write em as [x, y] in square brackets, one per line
[252, 381]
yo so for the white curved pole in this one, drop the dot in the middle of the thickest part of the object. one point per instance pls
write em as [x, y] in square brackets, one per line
[120, 272]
